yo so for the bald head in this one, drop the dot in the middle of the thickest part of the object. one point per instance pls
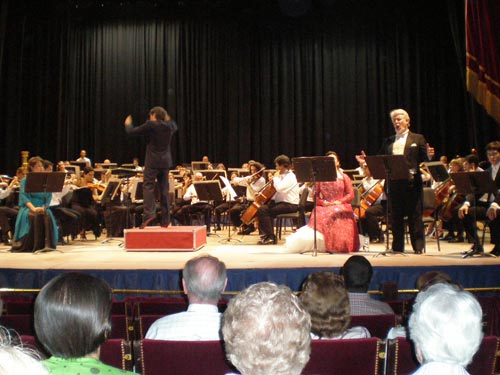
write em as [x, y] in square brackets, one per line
[204, 279]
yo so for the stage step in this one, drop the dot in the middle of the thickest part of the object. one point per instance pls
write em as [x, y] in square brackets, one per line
[173, 238]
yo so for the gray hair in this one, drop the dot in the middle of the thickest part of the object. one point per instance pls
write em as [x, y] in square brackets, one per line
[267, 331]
[205, 277]
[446, 324]
[17, 359]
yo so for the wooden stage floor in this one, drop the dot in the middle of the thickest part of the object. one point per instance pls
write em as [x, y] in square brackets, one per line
[95, 255]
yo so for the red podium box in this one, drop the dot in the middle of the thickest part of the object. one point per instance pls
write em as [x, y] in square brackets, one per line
[173, 238]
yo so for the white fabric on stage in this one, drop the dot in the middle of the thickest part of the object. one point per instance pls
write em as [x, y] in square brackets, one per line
[303, 240]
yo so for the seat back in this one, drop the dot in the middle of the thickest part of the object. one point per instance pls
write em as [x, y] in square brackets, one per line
[303, 197]
[484, 361]
[356, 356]
[117, 353]
[377, 325]
[400, 357]
[32, 342]
[356, 201]
[157, 357]
[21, 323]
[142, 324]
[122, 327]
[429, 200]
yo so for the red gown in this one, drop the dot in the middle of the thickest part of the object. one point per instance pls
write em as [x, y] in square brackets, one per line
[336, 222]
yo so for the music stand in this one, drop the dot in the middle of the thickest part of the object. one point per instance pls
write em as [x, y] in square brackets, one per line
[208, 191]
[313, 169]
[474, 183]
[80, 164]
[110, 193]
[388, 168]
[230, 198]
[45, 182]
[438, 171]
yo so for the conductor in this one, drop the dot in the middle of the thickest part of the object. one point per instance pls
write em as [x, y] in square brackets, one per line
[159, 129]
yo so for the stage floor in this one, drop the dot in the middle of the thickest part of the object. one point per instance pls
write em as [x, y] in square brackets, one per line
[246, 261]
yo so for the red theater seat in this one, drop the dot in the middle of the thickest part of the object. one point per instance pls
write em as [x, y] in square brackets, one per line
[156, 357]
[117, 353]
[122, 327]
[142, 324]
[21, 323]
[377, 325]
[345, 357]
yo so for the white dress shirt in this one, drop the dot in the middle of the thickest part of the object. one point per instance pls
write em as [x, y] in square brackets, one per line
[201, 322]
[287, 188]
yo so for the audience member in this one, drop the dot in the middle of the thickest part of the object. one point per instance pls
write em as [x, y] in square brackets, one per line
[16, 359]
[430, 278]
[267, 331]
[357, 272]
[72, 320]
[203, 279]
[445, 327]
[325, 298]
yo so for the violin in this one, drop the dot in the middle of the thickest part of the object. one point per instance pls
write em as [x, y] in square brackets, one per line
[100, 188]
[369, 197]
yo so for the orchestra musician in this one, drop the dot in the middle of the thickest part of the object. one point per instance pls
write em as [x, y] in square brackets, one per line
[373, 205]
[486, 206]
[285, 200]
[406, 196]
[253, 183]
[159, 128]
[84, 200]
[84, 159]
[34, 213]
[183, 215]
[8, 212]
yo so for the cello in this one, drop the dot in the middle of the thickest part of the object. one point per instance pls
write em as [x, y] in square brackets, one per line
[369, 197]
[261, 198]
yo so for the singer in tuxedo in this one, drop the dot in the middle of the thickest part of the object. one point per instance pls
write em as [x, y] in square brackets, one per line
[406, 196]
[159, 129]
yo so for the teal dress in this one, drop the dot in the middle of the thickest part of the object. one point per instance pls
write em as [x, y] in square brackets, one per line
[23, 217]
[81, 366]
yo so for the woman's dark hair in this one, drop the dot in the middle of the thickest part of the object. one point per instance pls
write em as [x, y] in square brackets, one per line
[73, 314]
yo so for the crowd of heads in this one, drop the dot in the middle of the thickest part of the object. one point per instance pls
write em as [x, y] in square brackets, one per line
[266, 328]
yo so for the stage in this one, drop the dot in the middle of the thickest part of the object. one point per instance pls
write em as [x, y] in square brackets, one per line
[246, 261]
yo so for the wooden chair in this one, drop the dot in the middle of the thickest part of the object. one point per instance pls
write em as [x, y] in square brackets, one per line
[355, 356]
[157, 357]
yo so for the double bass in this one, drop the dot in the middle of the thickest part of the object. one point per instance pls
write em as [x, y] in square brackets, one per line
[261, 198]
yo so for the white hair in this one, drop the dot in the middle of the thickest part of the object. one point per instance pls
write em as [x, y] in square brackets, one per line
[267, 331]
[446, 324]
[17, 359]
[399, 111]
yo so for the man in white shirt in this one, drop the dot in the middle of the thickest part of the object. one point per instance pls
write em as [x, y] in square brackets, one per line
[284, 201]
[83, 158]
[203, 279]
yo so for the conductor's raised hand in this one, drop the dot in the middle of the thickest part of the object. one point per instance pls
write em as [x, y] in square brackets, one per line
[128, 121]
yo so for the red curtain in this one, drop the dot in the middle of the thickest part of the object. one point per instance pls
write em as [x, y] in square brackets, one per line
[483, 57]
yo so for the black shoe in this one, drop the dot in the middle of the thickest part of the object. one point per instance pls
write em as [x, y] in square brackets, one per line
[448, 237]
[217, 227]
[146, 222]
[418, 251]
[456, 240]
[495, 251]
[270, 240]
[475, 250]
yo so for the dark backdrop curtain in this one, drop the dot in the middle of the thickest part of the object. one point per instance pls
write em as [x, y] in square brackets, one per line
[242, 82]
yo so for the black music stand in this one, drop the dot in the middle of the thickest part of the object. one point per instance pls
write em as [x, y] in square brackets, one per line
[438, 171]
[314, 169]
[45, 182]
[111, 192]
[230, 193]
[388, 168]
[474, 183]
[208, 191]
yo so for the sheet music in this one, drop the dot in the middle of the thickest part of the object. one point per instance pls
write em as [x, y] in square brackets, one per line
[227, 184]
